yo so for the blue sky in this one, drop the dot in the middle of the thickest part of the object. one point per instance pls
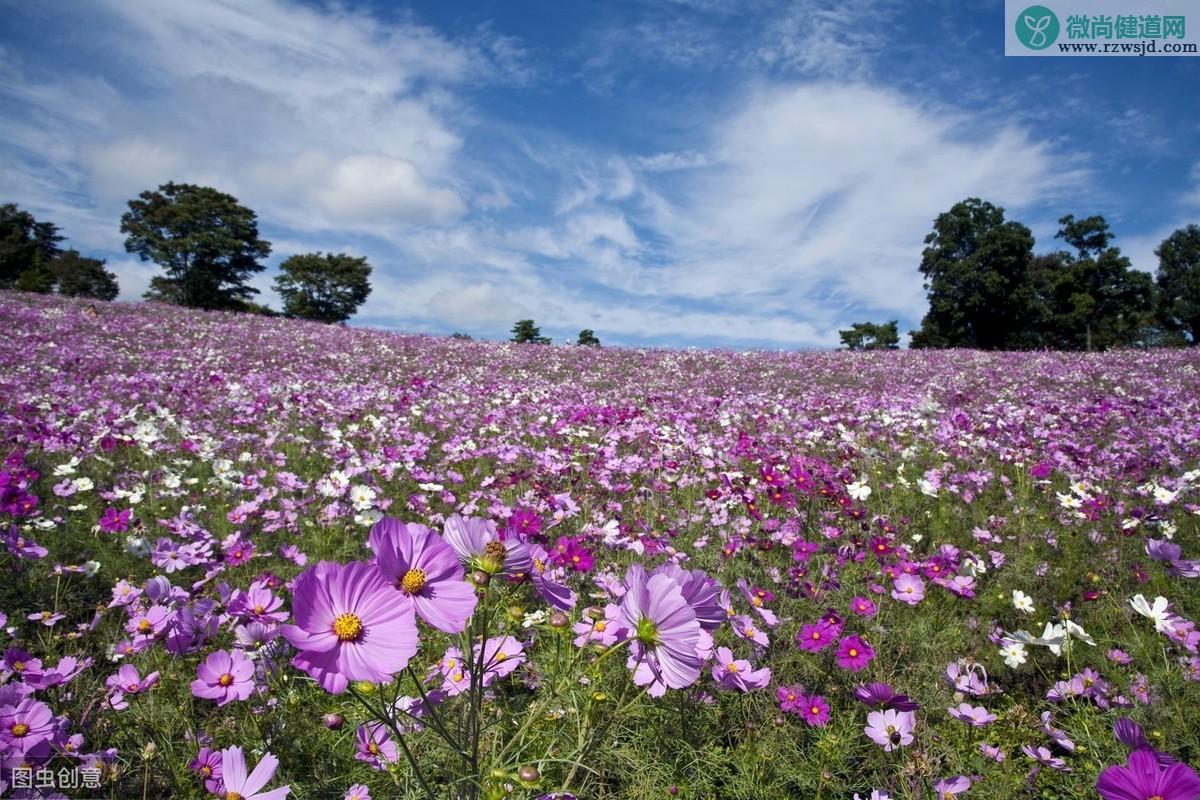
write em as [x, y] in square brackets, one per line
[701, 172]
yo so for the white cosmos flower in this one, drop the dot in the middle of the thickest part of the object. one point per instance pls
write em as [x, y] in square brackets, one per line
[1012, 652]
[1164, 495]
[1156, 612]
[1077, 632]
[1022, 602]
[858, 490]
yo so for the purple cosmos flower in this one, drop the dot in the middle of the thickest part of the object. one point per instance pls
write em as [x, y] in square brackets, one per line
[756, 600]
[665, 631]
[738, 674]
[478, 543]
[207, 765]
[25, 727]
[1130, 734]
[240, 786]
[908, 589]
[375, 746]
[950, 788]
[1043, 756]
[814, 709]
[556, 594]
[701, 591]
[426, 570]
[816, 638]
[357, 792]
[975, 716]
[789, 698]
[992, 752]
[224, 676]
[349, 626]
[854, 654]
[882, 695]
[745, 628]
[1143, 778]
[890, 729]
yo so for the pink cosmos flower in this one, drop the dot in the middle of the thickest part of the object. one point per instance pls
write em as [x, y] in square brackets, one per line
[25, 727]
[224, 676]
[908, 589]
[789, 698]
[890, 728]
[863, 606]
[349, 626]
[603, 629]
[426, 571]
[240, 786]
[854, 654]
[975, 716]
[738, 674]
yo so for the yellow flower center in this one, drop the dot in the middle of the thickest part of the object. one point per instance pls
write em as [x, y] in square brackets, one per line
[501, 655]
[144, 626]
[18, 666]
[413, 581]
[853, 653]
[232, 796]
[600, 626]
[225, 679]
[258, 609]
[733, 668]
[373, 749]
[493, 557]
[756, 602]
[347, 627]
[131, 687]
[19, 729]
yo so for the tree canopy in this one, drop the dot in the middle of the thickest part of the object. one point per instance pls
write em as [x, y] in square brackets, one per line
[525, 332]
[871, 336]
[325, 288]
[588, 338]
[206, 242]
[1178, 281]
[26, 246]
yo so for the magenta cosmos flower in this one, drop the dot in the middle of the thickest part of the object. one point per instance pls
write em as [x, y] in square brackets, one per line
[240, 786]
[426, 570]
[349, 626]
[478, 543]
[890, 729]
[224, 676]
[814, 709]
[854, 654]
[816, 637]
[666, 634]
[1143, 778]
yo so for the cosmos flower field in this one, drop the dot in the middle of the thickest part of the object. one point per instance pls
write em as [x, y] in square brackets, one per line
[256, 558]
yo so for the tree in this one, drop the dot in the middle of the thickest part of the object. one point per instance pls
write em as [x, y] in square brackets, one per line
[871, 336]
[977, 276]
[525, 332]
[79, 276]
[1178, 281]
[205, 240]
[326, 288]
[25, 245]
[1092, 299]
[587, 337]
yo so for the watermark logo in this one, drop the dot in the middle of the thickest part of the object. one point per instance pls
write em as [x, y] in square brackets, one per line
[1102, 28]
[1037, 27]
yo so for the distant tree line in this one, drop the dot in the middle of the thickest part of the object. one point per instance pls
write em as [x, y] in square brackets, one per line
[32, 261]
[208, 246]
[988, 290]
